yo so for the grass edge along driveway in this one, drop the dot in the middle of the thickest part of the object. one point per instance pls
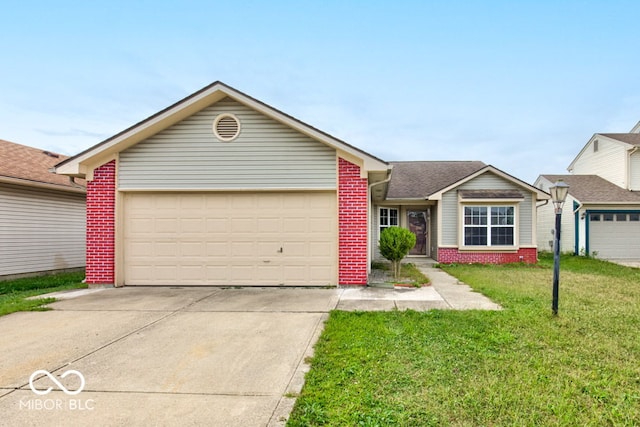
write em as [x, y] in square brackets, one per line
[14, 293]
[519, 366]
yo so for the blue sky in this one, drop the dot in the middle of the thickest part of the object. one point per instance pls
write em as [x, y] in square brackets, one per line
[521, 85]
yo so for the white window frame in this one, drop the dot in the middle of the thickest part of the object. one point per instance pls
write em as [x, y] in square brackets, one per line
[388, 224]
[489, 226]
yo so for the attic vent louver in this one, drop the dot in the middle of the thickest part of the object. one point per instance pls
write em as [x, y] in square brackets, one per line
[226, 127]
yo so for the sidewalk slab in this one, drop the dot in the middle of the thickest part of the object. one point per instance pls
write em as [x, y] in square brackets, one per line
[457, 295]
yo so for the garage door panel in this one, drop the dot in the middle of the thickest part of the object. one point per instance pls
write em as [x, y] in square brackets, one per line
[617, 237]
[243, 202]
[269, 273]
[318, 225]
[230, 239]
[164, 249]
[191, 225]
[217, 272]
[244, 225]
[191, 249]
[216, 249]
[217, 225]
[141, 225]
[269, 225]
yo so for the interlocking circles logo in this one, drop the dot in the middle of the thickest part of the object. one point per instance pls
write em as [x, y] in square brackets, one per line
[72, 377]
[56, 382]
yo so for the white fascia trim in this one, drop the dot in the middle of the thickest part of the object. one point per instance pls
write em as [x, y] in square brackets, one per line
[541, 195]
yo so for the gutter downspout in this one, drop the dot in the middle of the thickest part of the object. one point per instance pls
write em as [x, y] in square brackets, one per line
[576, 225]
[633, 150]
[370, 249]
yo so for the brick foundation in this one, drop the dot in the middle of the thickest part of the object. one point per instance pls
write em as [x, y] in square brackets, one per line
[101, 201]
[352, 225]
[453, 255]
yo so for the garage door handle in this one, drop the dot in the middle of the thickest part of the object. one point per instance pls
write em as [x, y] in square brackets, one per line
[280, 250]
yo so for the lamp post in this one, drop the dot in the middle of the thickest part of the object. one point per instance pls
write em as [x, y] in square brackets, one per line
[559, 193]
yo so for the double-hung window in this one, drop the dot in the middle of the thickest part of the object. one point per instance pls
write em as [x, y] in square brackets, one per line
[489, 225]
[388, 218]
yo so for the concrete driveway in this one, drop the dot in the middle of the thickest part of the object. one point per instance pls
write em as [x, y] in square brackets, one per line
[161, 356]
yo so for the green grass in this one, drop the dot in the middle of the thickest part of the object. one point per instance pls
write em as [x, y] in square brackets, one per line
[14, 293]
[519, 366]
[409, 273]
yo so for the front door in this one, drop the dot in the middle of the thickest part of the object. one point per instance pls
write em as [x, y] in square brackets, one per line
[418, 223]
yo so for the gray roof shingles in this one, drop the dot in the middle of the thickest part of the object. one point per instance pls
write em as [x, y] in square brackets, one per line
[629, 138]
[594, 189]
[419, 180]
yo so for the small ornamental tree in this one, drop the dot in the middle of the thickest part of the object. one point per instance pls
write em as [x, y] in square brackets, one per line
[395, 244]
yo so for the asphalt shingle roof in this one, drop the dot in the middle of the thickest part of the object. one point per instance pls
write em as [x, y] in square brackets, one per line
[629, 138]
[419, 180]
[594, 189]
[31, 164]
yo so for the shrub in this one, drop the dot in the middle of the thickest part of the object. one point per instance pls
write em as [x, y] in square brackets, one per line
[395, 244]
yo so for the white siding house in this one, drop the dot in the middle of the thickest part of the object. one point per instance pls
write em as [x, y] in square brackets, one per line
[601, 216]
[42, 226]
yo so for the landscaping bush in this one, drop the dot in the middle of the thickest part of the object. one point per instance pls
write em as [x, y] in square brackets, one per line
[395, 244]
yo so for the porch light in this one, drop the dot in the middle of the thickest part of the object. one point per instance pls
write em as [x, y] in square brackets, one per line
[559, 193]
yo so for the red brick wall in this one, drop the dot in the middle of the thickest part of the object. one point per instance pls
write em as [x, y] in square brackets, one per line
[451, 255]
[101, 201]
[352, 225]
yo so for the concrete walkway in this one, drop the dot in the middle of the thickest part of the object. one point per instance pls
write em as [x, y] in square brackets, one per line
[182, 356]
[444, 292]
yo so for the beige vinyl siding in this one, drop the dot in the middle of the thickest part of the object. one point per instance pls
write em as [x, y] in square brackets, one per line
[609, 162]
[40, 230]
[634, 173]
[450, 218]
[266, 155]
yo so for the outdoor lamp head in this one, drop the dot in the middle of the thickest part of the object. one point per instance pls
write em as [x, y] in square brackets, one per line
[559, 193]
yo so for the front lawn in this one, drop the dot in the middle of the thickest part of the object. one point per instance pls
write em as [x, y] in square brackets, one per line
[519, 366]
[14, 293]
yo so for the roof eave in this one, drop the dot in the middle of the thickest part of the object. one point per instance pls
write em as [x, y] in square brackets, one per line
[42, 185]
[190, 105]
[540, 195]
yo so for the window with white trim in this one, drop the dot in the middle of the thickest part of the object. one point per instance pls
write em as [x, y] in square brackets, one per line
[388, 218]
[489, 225]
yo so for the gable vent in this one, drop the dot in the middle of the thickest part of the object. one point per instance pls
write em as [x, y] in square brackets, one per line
[226, 127]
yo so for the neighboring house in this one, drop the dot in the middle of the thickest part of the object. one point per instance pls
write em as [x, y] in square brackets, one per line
[222, 189]
[601, 216]
[42, 215]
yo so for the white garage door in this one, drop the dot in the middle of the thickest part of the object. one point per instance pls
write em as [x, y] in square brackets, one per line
[239, 239]
[615, 236]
